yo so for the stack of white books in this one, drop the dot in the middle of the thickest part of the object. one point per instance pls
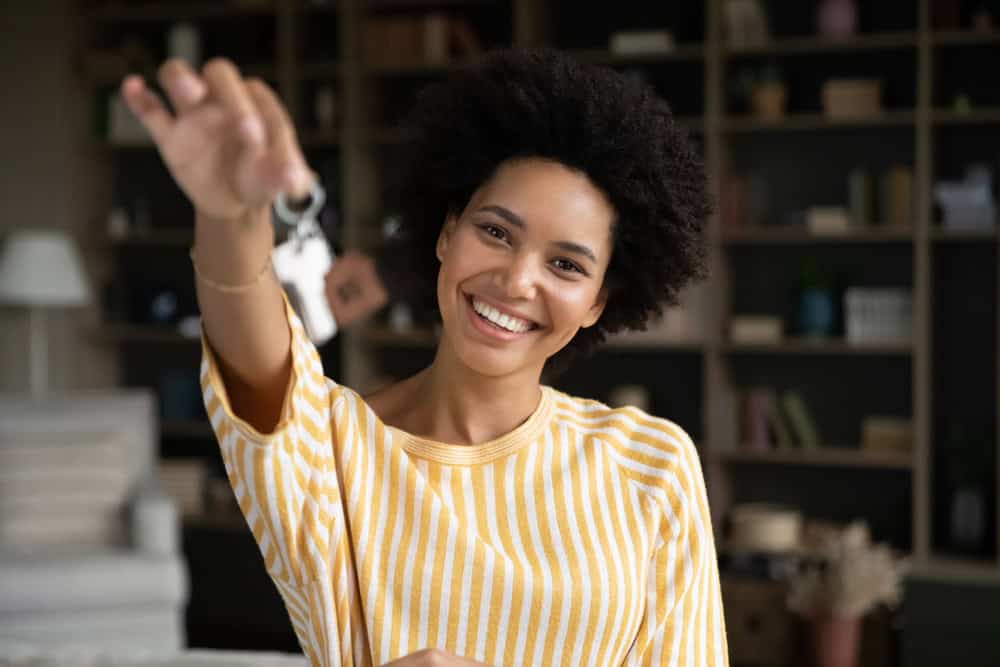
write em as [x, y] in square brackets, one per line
[62, 489]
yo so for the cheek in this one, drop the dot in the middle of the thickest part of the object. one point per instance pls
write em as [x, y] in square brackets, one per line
[570, 306]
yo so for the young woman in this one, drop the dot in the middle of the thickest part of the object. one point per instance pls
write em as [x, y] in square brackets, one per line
[469, 514]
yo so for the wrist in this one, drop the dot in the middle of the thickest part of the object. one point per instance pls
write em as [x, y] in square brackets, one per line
[232, 251]
[248, 218]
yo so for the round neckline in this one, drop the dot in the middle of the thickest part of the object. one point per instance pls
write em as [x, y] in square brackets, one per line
[452, 454]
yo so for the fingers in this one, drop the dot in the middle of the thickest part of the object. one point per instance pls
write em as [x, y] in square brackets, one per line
[183, 86]
[147, 107]
[227, 87]
[285, 156]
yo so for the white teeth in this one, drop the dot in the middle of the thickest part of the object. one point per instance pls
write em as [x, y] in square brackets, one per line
[500, 319]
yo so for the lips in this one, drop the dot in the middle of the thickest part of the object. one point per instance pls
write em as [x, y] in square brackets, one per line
[507, 326]
[502, 316]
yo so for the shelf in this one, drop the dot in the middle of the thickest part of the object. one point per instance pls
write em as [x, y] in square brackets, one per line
[964, 235]
[965, 38]
[195, 429]
[817, 45]
[957, 570]
[684, 52]
[824, 457]
[797, 234]
[266, 71]
[377, 136]
[640, 343]
[139, 333]
[417, 69]
[392, 5]
[174, 11]
[983, 116]
[821, 347]
[818, 121]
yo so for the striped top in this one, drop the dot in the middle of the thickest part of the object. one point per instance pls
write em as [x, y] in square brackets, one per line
[580, 538]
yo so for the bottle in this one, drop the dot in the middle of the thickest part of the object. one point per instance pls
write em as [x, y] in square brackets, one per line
[154, 522]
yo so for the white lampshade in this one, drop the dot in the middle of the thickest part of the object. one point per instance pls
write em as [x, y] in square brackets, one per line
[42, 268]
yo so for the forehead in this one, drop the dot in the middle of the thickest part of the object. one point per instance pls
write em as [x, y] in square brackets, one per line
[551, 198]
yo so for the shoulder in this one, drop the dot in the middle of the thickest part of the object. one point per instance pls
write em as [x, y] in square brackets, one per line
[643, 444]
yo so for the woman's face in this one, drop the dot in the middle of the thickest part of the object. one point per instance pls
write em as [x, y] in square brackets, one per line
[522, 268]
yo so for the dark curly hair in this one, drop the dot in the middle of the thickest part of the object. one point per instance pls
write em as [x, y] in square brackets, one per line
[544, 104]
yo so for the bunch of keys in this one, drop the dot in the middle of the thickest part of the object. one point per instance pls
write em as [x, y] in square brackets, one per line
[301, 263]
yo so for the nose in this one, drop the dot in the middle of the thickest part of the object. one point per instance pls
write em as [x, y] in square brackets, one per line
[519, 278]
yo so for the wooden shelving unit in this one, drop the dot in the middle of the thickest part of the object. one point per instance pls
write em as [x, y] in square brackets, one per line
[356, 187]
[802, 346]
[820, 457]
[812, 44]
[799, 122]
[764, 235]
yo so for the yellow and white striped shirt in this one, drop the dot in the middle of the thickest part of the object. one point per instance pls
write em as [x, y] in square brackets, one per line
[580, 538]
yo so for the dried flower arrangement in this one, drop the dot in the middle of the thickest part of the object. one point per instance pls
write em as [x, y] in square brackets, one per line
[845, 575]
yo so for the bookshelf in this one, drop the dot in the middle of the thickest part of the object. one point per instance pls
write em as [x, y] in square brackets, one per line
[918, 127]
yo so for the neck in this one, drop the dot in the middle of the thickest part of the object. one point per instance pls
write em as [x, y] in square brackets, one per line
[462, 406]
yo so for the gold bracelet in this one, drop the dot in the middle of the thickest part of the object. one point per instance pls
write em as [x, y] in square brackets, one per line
[230, 289]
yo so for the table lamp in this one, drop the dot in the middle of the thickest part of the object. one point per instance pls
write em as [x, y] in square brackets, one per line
[41, 269]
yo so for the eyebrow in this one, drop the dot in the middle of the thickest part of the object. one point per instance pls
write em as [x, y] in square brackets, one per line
[515, 220]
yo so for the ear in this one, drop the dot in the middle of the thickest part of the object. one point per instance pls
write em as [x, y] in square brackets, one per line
[597, 309]
[444, 237]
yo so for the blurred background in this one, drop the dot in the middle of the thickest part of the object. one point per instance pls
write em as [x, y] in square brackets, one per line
[839, 372]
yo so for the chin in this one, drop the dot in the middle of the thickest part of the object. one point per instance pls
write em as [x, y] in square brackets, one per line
[489, 363]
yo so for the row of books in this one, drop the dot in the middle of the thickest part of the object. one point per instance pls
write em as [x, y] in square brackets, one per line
[772, 419]
[62, 489]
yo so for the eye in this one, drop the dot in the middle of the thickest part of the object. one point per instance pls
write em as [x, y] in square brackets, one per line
[498, 233]
[566, 265]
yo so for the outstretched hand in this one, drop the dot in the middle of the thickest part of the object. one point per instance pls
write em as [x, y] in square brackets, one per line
[230, 144]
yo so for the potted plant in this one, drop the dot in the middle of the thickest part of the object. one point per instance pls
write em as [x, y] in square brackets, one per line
[844, 578]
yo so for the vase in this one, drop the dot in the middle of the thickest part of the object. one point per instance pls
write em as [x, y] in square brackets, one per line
[816, 312]
[968, 519]
[836, 640]
[837, 19]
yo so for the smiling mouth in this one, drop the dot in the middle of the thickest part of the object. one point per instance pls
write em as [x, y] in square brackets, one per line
[498, 320]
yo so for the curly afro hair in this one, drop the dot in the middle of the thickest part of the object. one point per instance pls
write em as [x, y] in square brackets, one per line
[541, 103]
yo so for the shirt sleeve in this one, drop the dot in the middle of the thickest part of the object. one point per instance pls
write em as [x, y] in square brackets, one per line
[683, 621]
[285, 481]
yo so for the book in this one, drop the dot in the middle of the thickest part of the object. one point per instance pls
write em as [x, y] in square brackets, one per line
[779, 426]
[802, 425]
[757, 405]
[897, 195]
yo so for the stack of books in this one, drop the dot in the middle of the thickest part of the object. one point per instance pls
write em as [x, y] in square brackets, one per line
[62, 490]
[772, 420]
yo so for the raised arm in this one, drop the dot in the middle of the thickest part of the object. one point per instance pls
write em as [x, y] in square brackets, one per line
[231, 147]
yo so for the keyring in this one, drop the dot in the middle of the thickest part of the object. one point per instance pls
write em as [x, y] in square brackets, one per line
[317, 195]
